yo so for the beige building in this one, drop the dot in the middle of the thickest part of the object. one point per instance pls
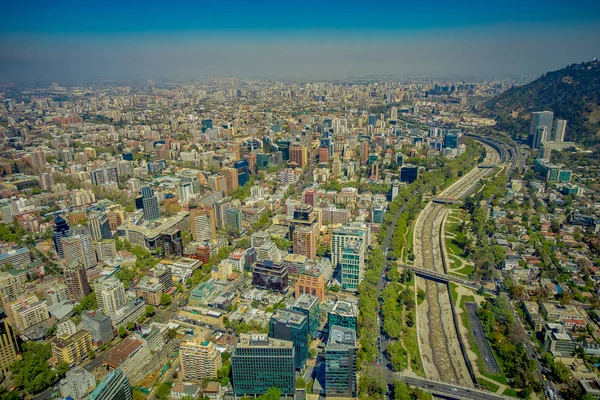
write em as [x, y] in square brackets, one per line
[72, 349]
[222, 271]
[26, 312]
[110, 294]
[199, 360]
[8, 348]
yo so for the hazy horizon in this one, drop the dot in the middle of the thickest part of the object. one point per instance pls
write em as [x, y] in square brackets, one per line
[70, 41]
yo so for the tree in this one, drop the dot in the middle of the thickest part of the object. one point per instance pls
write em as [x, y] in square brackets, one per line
[401, 391]
[149, 311]
[32, 372]
[300, 383]
[165, 299]
[243, 243]
[122, 331]
[92, 354]
[271, 394]
[255, 304]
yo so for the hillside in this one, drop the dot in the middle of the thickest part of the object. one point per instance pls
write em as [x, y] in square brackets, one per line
[573, 93]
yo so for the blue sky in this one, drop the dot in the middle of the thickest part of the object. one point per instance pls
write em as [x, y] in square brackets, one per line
[62, 40]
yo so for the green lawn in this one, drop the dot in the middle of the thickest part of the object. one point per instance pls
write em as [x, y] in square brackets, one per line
[467, 270]
[492, 387]
[510, 392]
[409, 241]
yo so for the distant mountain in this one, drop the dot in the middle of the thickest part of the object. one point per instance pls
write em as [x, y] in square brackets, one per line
[573, 93]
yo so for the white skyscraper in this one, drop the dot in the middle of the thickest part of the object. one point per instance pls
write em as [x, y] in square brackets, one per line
[110, 294]
[560, 126]
[185, 191]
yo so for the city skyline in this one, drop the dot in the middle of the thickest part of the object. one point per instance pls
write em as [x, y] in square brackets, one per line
[73, 42]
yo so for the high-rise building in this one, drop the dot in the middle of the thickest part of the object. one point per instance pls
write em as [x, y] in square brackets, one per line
[11, 287]
[26, 312]
[106, 249]
[61, 230]
[409, 173]
[184, 190]
[352, 264]
[259, 363]
[270, 275]
[377, 213]
[99, 226]
[115, 387]
[110, 294]
[79, 248]
[452, 138]
[99, 325]
[340, 363]
[540, 119]
[199, 360]
[104, 175]
[231, 177]
[344, 314]
[340, 238]
[203, 222]
[558, 134]
[76, 280]
[171, 243]
[284, 147]
[305, 240]
[291, 326]
[233, 221]
[38, 160]
[77, 383]
[372, 119]
[46, 182]
[298, 155]
[151, 209]
[8, 347]
[308, 305]
[323, 154]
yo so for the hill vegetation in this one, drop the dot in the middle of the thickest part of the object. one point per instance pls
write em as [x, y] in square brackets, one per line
[572, 93]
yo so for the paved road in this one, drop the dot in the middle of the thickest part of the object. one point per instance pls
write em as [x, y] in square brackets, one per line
[482, 343]
[450, 391]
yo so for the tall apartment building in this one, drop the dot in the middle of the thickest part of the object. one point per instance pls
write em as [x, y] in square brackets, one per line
[110, 294]
[352, 264]
[114, 387]
[298, 155]
[19, 259]
[259, 363]
[305, 240]
[105, 175]
[291, 326]
[75, 277]
[199, 360]
[106, 249]
[8, 347]
[99, 226]
[233, 221]
[340, 238]
[26, 312]
[340, 363]
[77, 383]
[80, 248]
[38, 160]
[11, 287]
[72, 349]
[61, 230]
[231, 178]
[203, 221]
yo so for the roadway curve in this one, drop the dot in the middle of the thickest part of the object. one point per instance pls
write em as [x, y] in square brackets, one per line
[438, 338]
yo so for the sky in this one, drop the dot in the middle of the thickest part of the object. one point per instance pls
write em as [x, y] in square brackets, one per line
[70, 41]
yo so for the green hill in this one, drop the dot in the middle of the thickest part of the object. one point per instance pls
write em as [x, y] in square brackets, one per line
[573, 93]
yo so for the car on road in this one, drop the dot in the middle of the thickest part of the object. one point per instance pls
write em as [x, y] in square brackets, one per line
[454, 389]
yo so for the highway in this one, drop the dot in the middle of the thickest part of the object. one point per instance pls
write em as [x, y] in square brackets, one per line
[438, 336]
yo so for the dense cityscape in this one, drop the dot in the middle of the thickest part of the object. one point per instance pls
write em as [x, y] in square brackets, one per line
[234, 200]
[243, 238]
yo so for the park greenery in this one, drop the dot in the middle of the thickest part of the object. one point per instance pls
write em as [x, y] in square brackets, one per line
[33, 373]
[506, 338]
